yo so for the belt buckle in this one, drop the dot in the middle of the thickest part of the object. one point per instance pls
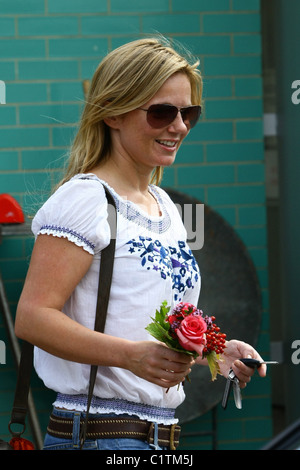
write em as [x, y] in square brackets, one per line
[151, 435]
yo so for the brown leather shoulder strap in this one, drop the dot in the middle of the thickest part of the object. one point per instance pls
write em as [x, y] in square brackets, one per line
[105, 278]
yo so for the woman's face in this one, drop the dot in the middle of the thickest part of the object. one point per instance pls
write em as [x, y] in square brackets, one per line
[136, 141]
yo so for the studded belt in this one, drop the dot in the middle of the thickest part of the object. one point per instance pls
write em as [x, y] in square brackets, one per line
[114, 428]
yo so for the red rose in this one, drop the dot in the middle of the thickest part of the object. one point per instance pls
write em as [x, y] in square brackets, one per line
[191, 333]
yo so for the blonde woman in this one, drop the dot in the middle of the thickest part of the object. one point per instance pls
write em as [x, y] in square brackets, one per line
[143, 101]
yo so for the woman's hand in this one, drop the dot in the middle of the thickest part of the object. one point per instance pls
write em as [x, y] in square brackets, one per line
[234, 351]
[157, 363]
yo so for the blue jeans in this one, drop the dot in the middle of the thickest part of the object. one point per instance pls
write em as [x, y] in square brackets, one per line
[56, 443]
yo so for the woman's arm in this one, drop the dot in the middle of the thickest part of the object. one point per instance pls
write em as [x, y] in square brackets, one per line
[56, 267]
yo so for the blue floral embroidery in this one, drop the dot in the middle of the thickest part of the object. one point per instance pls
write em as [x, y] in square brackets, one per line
[177, 263]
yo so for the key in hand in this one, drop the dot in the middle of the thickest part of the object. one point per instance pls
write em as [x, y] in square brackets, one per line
[255, 363]
[232, 381]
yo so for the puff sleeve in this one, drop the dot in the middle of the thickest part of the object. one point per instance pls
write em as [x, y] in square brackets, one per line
[76, 211]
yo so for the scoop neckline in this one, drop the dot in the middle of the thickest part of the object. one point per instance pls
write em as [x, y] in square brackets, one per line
[151, 189]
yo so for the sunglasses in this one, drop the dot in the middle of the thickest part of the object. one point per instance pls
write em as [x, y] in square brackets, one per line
[161, 115]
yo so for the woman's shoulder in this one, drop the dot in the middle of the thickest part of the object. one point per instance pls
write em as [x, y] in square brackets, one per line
[78, 207]
[82, 182]
[79, 190]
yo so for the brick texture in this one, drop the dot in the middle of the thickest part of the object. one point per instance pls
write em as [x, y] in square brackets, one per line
[47, 48]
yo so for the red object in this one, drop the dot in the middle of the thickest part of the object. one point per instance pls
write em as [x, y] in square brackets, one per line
[10, 210]
[19, 443]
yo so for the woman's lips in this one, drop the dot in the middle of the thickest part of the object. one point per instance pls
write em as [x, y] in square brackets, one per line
[167, 144]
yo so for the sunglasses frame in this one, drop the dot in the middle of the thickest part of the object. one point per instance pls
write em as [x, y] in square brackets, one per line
[170, 106]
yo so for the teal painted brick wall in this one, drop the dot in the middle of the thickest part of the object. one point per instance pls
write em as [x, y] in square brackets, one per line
[47, 48]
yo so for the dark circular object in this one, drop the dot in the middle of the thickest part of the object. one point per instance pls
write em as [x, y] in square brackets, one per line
[230, 291]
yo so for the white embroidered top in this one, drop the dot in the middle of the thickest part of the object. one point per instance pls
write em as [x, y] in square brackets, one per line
[152, 263]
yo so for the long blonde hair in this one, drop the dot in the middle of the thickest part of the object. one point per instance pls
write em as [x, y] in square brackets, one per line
[127, 77]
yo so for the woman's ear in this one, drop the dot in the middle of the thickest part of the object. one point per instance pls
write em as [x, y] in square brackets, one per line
[113, 122]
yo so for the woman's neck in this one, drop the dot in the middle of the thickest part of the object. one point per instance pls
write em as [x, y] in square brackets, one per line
[130, 185]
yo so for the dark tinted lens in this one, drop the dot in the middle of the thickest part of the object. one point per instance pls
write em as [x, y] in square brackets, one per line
[160, 115]
[190, 115]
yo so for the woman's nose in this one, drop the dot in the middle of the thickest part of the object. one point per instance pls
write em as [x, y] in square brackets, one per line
[179, 125]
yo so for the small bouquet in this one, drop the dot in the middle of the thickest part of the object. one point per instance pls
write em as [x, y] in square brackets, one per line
[188, 330]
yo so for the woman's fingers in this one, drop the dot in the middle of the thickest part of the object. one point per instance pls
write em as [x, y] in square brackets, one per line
[161, 365]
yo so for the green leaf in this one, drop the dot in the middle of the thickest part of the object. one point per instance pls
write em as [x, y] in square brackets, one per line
[159, 332]
[213, 365]
[182, 350]
[160, 315]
